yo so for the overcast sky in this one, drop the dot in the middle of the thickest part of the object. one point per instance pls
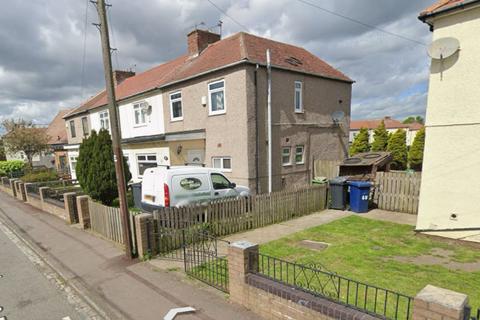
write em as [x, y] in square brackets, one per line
[43, 41]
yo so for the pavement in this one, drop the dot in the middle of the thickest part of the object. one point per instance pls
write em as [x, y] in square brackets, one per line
[94, 275]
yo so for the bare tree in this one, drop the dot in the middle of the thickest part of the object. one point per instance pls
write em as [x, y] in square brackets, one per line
[24, 136]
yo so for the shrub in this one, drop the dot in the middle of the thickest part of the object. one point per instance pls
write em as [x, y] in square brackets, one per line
[360, 143]
[415, 155]
[380, 138]
[96, 168]
[397, 145]
[40, 176]
[10, 167]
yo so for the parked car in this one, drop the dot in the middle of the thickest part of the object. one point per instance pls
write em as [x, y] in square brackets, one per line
[165, 186]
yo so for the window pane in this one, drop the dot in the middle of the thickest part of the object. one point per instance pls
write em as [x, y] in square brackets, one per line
[177, 109]
[298, 85]
[227, 163]
[216, 85]
[152, 158]
[217, 163]
[217, 101]
[220, 182]
[137, 116]
[141, 158]
[176, 96]
[297, 100]
[142, 166]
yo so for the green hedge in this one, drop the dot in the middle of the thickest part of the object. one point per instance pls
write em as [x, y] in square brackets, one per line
[12, 166]
[40, 176]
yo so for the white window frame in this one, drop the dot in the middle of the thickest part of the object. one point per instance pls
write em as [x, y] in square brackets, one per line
[146, 155]
[210, 92]
[72, 160]
[297, 153]
[222, 167]
[142, 108]
[103, 118]
[172, 101]
[289, 156]
[300, 103]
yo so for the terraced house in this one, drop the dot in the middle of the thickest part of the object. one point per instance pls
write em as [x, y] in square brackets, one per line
[209, 106]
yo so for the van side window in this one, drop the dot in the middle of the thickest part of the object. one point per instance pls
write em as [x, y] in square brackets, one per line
[219, 181]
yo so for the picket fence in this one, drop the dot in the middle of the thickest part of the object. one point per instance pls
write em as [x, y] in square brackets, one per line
[397, 191]
[224, 217]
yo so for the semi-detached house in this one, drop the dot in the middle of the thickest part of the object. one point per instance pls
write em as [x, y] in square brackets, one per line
[209, 106]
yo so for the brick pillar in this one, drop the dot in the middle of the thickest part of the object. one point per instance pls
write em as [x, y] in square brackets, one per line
[145, 237]
[43, 193]
[21, 191]
[70, 207]
[18, 193]
[25, 187]
[242, 258]
[438, 303]
[12, 186]
[83, 211]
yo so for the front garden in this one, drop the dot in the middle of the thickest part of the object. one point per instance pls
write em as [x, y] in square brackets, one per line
[383, 254]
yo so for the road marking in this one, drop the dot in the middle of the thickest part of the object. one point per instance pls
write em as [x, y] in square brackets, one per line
[50, 274]
[173, 312]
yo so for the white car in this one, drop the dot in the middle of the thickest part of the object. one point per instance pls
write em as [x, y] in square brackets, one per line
[165, 186]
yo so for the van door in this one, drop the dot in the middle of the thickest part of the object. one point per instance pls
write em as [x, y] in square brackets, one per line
[222, 187]
[189, 188]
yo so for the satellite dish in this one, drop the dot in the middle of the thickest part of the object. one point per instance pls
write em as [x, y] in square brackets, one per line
[443, 48]
[338, 116]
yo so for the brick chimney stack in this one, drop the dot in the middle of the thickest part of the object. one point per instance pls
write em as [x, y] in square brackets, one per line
[120, 75]
[198, 40]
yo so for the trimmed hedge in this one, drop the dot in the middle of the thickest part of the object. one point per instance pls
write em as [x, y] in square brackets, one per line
[40, 176]
[11, 166]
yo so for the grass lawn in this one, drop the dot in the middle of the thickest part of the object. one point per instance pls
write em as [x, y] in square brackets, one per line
[386, 255]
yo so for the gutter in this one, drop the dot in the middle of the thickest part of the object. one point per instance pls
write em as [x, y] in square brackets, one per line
[460, 6]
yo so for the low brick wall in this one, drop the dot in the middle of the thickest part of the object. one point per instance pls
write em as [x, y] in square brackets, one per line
[50, 207]
[34, 201]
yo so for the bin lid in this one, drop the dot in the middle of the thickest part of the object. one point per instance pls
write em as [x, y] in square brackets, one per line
[360, 184]
[339, 180]
[320, 179]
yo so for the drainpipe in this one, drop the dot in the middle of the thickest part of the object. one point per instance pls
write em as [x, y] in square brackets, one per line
[257, 183]
[269, 119]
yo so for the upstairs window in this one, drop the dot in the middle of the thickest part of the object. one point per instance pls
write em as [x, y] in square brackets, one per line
[140, 111]
[85, 126]
[73, 133]
[298, 98]
[176, 106]
[299, 154]
[104, 120]
[216, 95]
[286, 156]
[222, 163]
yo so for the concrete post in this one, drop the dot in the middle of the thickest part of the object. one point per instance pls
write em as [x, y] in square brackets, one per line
[145, 238]
[18, 194]
[22, 194]
[25, 187]
[83, 211]
[242, 259]
[437, 303]
[43, 193]
[12, 186]
[70, 207]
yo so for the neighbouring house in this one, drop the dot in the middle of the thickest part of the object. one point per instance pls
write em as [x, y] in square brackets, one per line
[451, 169]
[57, 140]
[391, 125]
[43, 160]
[209, 106]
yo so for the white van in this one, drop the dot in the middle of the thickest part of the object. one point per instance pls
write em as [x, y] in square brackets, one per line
[165, 186]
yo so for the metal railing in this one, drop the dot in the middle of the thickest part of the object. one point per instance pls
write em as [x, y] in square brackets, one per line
[468, 314]
[367, 298]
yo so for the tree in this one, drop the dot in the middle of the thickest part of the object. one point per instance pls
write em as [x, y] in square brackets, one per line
[380, 138]
[360, 143]
[415, 155]
[3, 156]
[397, 145]
[412, 119]
[24, 136]
[96, 167]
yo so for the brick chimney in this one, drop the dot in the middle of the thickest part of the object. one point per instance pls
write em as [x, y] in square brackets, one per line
[120, 75]
[198, 40]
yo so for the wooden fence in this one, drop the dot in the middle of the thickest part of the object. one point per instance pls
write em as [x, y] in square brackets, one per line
[326, 168]
[107, 222]
[229, 216]
[397, 191]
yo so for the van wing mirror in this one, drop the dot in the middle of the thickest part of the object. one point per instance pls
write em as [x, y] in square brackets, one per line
[233, 185]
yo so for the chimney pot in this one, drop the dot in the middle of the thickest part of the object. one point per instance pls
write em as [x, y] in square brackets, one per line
[198, 40]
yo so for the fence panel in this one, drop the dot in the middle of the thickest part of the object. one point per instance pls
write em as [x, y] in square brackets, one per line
[326, 168]
[106, 221]
[397, 191]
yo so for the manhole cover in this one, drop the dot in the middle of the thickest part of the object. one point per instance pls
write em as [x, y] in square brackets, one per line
[314, 245]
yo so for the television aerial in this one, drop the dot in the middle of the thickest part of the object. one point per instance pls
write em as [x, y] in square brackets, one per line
[338, 116]
[443, 48]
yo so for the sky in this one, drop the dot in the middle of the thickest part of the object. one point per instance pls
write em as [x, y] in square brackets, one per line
[50, 57]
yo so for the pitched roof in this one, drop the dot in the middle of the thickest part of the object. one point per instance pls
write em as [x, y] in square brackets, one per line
[236, 48]
[374, 123]
[415, 126]
[56, 129]
[443, 5]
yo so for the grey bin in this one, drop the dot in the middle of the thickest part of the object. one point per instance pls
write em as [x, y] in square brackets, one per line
[338, 193]
[137, 194]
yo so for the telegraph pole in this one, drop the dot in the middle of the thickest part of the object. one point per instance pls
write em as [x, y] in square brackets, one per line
[115, 126]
